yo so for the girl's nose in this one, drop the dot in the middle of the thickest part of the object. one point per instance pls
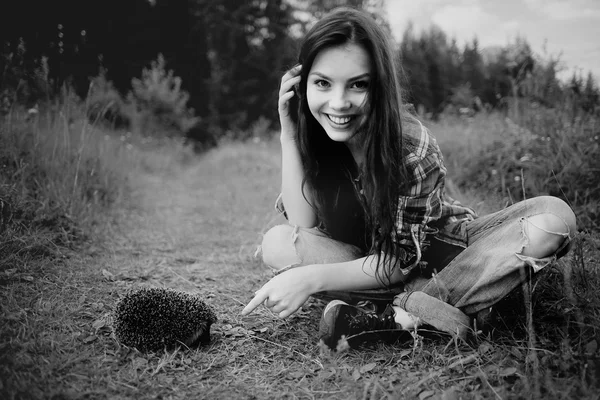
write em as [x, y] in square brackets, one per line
[338, 100]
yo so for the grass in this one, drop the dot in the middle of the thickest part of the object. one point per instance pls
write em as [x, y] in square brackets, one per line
[543, 151]
[193, 223]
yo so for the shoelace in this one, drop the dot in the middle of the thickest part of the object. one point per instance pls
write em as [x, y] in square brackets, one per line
[369, 321]
[367, 306]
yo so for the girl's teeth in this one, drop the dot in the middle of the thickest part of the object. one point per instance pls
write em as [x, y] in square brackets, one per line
[338, 120]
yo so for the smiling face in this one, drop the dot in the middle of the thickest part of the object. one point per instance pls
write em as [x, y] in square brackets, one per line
[337, 90]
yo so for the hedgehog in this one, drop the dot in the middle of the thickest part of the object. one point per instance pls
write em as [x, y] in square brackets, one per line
[152, 319]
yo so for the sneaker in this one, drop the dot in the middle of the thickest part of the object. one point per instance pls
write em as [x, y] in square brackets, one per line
[343, 324]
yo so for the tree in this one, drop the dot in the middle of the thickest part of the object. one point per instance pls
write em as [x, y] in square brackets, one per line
[473, 70]
[591, 95]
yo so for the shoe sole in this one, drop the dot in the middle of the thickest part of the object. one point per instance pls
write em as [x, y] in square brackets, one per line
[379, 297]
[333, 303]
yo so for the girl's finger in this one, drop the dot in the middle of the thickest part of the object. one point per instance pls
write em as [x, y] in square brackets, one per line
[284, 100]
[292, 72]
[287, 85]
[278, 308]
[286, 313]
[270, 304]
[255, 302]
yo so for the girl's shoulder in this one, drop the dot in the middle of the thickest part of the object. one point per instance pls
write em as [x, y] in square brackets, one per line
[417, 141]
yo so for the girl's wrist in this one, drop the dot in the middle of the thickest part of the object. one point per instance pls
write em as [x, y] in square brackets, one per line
[286, 137]
[315, 278]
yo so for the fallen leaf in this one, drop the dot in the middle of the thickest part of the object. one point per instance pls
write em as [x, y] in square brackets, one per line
[139, 362]
[450, 394]
[426, 394]
[516, 352]
[591, 348]
[237, 331]
[90, 339]
[109, 276]
[490, 369]
[507, 371]
[326, 374]
[166, 380]
[297, 374]
[99, 323]
[405, 353]
[356, 374]
[485, 348]
[13, 316]
[367, 367]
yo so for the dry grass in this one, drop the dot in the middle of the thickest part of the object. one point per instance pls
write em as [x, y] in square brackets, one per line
[194, 226]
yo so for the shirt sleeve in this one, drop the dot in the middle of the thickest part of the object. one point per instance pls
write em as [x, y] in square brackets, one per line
[423, 202]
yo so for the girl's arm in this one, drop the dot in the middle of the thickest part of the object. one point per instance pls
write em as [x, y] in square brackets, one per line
[299, 212]
[286, 292]
[357, 274]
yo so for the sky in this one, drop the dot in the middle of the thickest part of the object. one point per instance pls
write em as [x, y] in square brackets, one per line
[569, 28]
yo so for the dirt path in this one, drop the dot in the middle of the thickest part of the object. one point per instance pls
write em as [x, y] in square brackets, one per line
[200, 224]
[197, 230]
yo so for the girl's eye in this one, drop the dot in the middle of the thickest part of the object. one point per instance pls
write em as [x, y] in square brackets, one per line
[361, 85]
[322, 84]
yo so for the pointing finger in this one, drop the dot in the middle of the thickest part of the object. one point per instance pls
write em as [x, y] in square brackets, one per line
[255, 302]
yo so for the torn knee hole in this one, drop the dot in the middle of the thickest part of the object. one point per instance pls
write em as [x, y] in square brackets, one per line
[542, 235]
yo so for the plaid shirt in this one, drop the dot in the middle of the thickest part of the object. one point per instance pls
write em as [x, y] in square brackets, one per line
[427, 209]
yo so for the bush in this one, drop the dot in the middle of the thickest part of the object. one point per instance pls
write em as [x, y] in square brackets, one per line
[61, 166]
[543, 151]
[105, 105]
[159, 104]
[23, 79]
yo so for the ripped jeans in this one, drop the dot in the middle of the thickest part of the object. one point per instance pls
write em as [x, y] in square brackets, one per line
[470, 279]
[492, 265]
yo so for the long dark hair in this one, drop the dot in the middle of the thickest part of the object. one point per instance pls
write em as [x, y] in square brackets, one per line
[329, 165]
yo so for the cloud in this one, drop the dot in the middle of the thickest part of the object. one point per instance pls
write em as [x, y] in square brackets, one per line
[552, 27]
[467, 20]
[563, 10]
[461, 19]
[401, 12]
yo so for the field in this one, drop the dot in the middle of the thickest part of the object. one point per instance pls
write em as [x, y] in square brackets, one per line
[111, 211]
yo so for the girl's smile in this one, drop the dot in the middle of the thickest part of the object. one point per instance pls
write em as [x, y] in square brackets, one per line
[337, 90]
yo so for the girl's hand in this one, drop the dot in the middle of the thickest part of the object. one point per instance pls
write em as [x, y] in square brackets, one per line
[285, 293]
[286, 92]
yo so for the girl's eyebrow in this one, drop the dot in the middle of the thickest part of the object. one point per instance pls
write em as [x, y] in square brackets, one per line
[365, 75]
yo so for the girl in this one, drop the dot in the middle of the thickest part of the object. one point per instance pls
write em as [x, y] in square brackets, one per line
[363, 189]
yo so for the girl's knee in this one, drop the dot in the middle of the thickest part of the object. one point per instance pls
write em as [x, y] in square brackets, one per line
[546, 232]
[557, 215]
[278, 248]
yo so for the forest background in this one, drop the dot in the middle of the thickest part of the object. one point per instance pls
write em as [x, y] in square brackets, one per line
[228, 56]
[209, 71]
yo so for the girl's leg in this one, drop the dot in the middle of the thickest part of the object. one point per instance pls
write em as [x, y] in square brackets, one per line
[503, 249]
[286, 246]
